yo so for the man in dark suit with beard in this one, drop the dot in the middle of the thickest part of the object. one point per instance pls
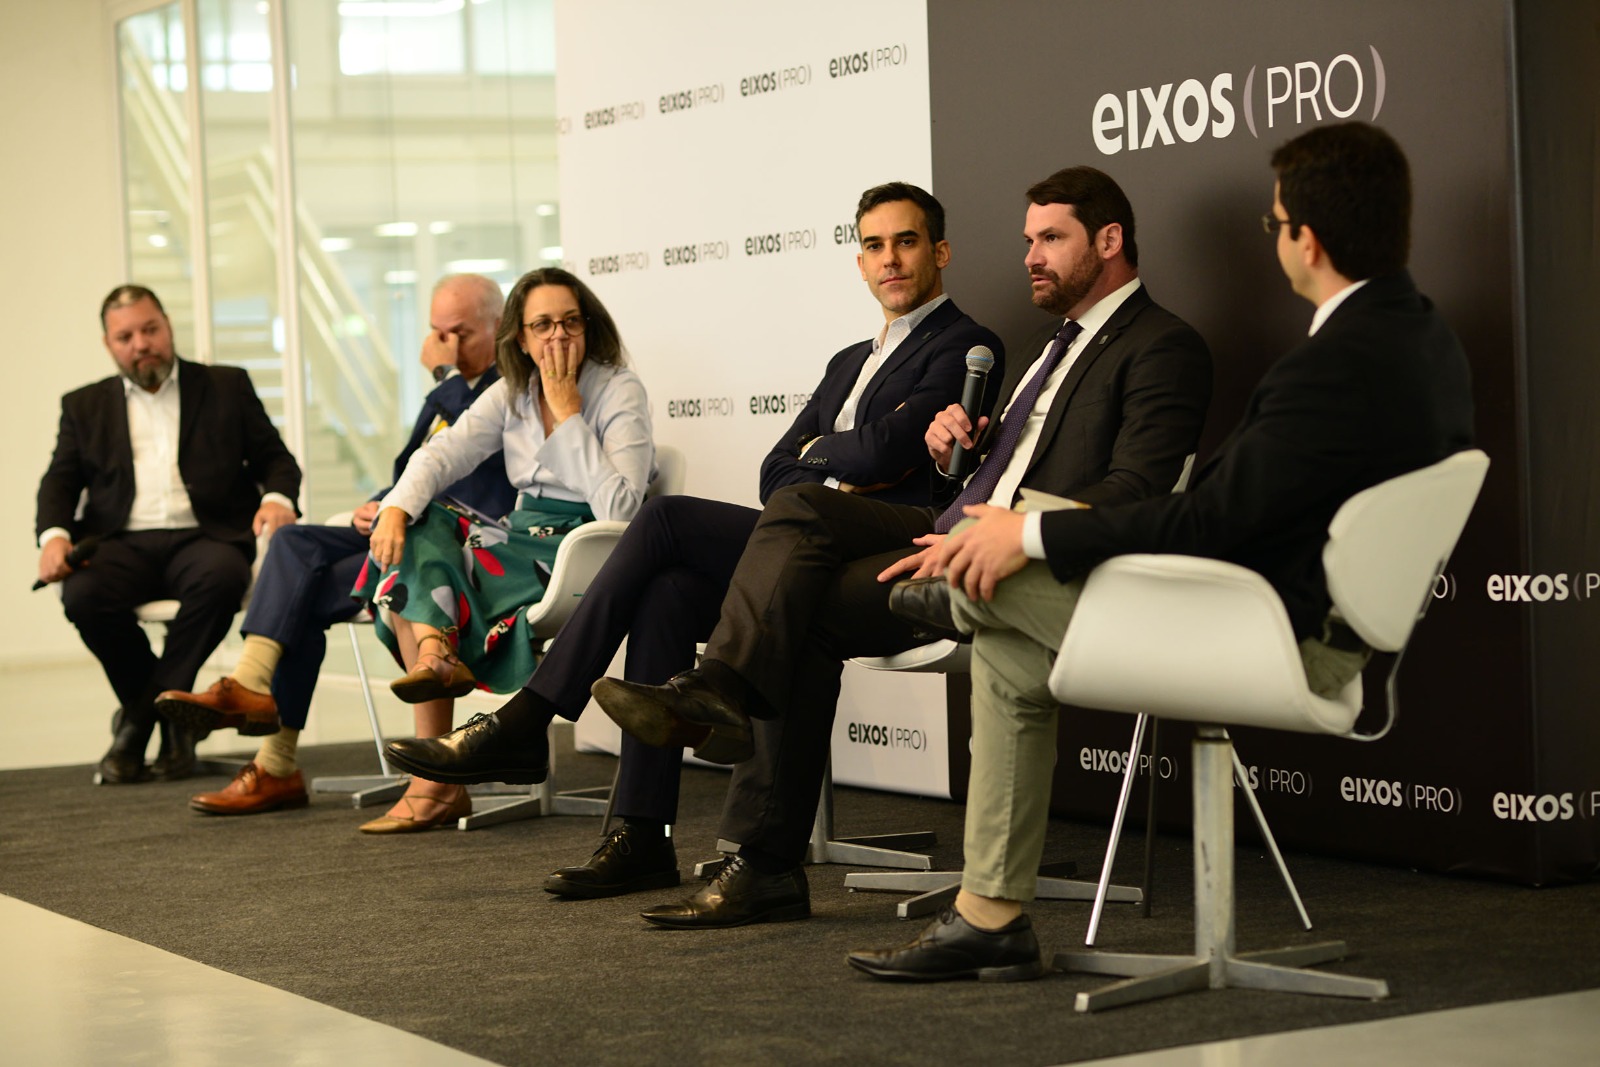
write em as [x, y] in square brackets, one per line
[179, 469]
[858, 438]
[1104, 407]
[1381, 387]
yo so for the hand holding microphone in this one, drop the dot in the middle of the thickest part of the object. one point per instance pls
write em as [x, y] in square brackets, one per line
[980, 360]
[76, 556]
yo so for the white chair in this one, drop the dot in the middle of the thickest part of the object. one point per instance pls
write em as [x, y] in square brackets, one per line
[1209, 642]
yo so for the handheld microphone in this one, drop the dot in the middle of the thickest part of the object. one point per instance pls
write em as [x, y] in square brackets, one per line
[979, 362]
[77, 556]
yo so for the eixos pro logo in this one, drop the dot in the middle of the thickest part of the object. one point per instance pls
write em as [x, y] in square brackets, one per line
[1305, 91]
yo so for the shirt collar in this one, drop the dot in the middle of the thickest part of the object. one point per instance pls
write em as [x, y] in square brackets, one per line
[1106, 307]
[1328, 306]
[912, 320]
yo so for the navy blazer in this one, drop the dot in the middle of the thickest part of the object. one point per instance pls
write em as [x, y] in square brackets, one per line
[921, 378]
[1382, 388]
[229, 455]
[486, 489]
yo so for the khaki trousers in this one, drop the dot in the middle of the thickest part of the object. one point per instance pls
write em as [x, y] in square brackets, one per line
[1013, 726]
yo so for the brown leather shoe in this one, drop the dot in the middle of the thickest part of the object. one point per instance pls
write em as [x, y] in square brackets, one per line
[252, 792]
[227, 705]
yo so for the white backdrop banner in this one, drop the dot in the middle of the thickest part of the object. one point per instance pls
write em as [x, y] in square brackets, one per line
[711, 156]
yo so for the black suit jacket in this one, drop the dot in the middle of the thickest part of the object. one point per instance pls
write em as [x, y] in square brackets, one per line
[1128, 412]
[1382, 388]
[922, 377]
[229, 454]
[486, 489]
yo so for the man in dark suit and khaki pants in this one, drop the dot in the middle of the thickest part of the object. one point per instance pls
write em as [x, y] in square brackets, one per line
[1105, 407]
[178, 470]
[1380, 387]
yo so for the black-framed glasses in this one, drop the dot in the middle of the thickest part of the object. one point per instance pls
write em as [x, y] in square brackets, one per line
[1271, 222]
[542, 328]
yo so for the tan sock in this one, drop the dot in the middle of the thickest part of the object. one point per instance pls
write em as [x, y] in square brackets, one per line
[258, 661]
[276, 755]
[986, 913]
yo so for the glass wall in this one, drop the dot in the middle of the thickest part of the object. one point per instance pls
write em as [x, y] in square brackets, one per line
[152, 76]
[422, 142]
[424, 145]
[240, 195]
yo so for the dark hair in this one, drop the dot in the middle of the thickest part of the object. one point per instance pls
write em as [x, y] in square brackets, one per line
[1096, 199]
[602, 343]
[123, 296]
[890, 192]
[1350, 183]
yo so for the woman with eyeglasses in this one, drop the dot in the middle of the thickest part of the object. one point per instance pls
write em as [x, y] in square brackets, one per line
[451, 588]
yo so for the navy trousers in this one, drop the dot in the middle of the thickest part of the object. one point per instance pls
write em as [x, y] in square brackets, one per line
[303, 588]
[662, 589]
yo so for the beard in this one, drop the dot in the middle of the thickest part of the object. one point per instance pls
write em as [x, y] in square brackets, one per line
[149, 375]
[1064, 295]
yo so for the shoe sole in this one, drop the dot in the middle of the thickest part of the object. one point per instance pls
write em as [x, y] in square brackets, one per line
[561, 887]
[655, 725]
[422, 692]
[509, 775]
[282, 805]
[1016, 972]
[200, 717]
[787, 913]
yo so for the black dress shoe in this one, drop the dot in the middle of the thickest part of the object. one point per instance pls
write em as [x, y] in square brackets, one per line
[686, 712]
[123, 763]
[627, 861]
[739, 895]
[476, 752]
[953, 948]
[925, 604]
[175, 759]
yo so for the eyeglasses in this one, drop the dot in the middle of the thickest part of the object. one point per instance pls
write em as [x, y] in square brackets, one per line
[541, 328]
[1271, 222]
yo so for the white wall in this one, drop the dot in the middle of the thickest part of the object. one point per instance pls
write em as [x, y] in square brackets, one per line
[59, 214]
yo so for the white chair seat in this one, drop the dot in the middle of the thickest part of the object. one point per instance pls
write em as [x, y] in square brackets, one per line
[1204, 627]
[935, 657]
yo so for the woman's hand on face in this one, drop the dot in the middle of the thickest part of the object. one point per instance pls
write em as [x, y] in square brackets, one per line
[388, 541]
[559, 360]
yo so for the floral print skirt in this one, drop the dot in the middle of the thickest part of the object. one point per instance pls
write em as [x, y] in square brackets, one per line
[474, 580]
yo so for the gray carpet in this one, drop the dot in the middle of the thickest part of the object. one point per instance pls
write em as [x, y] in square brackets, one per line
[448, 935]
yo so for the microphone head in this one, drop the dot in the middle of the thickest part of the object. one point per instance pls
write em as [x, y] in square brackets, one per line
[83, 550]
[979, 359]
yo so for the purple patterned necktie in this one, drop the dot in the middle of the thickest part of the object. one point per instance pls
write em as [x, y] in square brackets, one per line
[981, 486]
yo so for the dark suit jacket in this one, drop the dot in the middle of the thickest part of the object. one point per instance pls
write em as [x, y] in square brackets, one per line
[486, 489]
[1129, 411]
[1382, 388]
[922, 377]
[229, 454]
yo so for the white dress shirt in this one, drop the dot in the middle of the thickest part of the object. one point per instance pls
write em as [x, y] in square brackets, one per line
[889, 338]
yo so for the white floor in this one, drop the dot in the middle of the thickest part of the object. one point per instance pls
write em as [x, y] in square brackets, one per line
[72, 995]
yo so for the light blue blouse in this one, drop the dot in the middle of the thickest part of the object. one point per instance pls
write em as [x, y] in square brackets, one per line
[604, 457]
